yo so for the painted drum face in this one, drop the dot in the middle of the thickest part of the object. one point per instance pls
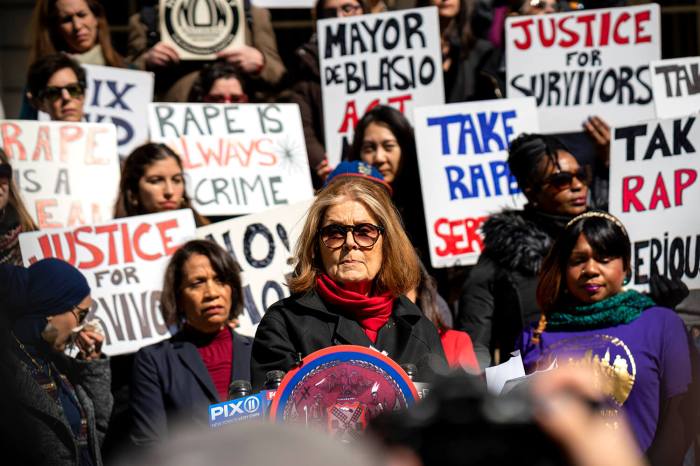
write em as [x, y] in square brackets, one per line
[203, 27]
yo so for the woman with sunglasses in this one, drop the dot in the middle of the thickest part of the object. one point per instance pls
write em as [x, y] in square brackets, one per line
[56, 85]
[14, 217]
[219, 83]
[354, 265]
[66, 401]
[639, 350]
[498, 298]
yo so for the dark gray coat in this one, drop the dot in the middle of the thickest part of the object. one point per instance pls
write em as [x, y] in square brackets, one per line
[54, 438]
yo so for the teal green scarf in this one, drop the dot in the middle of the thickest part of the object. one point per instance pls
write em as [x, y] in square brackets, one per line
[622, 308]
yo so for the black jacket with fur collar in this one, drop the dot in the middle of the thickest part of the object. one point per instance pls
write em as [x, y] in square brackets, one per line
[498, 298]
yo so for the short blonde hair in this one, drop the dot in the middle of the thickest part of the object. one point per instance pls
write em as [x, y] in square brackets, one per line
[400, 270]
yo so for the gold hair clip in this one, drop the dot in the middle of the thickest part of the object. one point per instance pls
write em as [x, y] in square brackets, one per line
[599, 214]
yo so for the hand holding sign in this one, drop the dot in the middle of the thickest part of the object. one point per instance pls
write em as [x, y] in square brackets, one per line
[161, 55]
[249, 59]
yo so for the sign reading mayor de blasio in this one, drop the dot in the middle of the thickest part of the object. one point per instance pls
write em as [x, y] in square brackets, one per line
[199, 29]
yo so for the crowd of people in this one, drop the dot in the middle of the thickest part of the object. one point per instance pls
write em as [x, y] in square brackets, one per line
[549, 282]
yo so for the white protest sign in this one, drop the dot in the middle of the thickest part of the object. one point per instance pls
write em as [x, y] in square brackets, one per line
[284, 3]
[124, 262]
[198, 30]
[676, 85]
[67, 173]
[121, 97]
[261, 244]
[654, 191]
[389, 58]
[238, 159]
[591, 62]
[462, 153]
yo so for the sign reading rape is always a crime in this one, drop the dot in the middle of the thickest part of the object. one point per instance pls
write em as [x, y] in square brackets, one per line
[67, 173]
[462, 153]
[585, 63]
[199, 29]
[238, 159]
[654, 191]
[389, 59]
[262, 244]
[124, 262]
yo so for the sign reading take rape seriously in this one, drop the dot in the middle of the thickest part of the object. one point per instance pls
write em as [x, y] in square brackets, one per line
[388, 58]
[676, 86]
[592, 62]
[462, 153]
[124, 262]
[654, 191]
[238, 159]
[261, 244]
[67, 173]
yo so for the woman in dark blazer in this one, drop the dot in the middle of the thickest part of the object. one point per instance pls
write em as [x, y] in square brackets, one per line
[178, 378]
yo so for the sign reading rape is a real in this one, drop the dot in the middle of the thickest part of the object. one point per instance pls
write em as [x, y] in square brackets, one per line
[238, 159]
[676, 86]
[462, 152]
[585, 63]
[388, 58]
[261, 244]
[124, 262]
[68, 173]
[654, 191]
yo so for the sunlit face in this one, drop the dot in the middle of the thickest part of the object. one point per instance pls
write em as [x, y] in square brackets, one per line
[60, 327]
[447, 8]
[343, 8]
[162, 186]
[591, 278]
[77, 25]
[351, 264]
[551, 195]
[204, 297]
[381, 149]
[63, 106]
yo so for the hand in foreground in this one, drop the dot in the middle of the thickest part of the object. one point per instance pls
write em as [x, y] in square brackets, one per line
[89, 342]
[323, 169]
[161, 55]
[599, 131]
[249, 59]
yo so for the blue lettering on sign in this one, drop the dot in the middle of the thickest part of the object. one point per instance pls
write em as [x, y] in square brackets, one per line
[484, 180]
[483, 132]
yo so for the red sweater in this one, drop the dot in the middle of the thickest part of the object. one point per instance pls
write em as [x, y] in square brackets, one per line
[459, 350]
[217, 355]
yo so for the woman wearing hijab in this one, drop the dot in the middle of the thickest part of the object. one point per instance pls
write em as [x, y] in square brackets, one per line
[66, 401]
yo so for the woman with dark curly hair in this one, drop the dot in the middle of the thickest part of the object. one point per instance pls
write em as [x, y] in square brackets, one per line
[219, 83]
[178, 378]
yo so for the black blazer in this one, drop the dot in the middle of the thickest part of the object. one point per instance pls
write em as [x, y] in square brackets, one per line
[170, 382]
[303, 324]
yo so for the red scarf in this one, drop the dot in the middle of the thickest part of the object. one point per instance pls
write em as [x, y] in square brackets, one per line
[371, 312]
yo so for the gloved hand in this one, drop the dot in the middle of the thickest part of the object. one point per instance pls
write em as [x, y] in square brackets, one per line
[667, 292]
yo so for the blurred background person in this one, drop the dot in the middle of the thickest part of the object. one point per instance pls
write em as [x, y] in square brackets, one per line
[14, 217]
[641, 350]
[354, 264]
[153, 181]
[219, 83]
[306, 90]
[56, 85]
[257, 59]
[65, 400]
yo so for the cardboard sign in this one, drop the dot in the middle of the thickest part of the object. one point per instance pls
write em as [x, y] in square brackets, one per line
[676, 86]
[199, 29]
[67, 173]
[238, 159]
[121, 97]
[388, 58]
[654, 191]
[124, 262]
[591, 62]
[261, 244]
[462, 153]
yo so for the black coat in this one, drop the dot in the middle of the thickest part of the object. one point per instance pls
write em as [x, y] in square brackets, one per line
[303, 324]
[172, 383]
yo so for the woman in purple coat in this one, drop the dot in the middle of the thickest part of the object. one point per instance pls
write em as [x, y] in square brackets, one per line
[639, 350]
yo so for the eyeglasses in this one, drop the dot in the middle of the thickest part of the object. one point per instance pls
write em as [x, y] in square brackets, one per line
[365, 235]
[563, 180]
[225, 99]
[53, 93]
[81, 314]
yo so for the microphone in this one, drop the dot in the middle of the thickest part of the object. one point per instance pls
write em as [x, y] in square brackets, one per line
[239, 389]
[273, 379]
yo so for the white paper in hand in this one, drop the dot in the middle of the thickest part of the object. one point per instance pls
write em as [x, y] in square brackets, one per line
[497, 376]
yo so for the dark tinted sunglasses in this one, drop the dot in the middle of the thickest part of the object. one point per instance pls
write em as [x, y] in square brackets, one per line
[563, 180]
[5, 171]
[53, 93]
[365, 235]
[225, 99]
